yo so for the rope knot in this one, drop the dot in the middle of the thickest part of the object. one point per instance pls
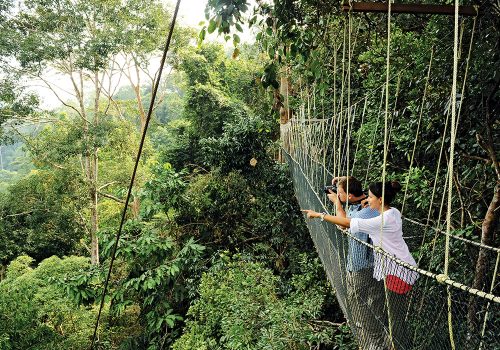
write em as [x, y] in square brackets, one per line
[441, 278]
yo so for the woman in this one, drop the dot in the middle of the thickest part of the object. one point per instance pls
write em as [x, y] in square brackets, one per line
[388, 235]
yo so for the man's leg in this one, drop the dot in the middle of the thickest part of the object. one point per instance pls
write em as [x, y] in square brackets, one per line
[376, 315]
[370, 316]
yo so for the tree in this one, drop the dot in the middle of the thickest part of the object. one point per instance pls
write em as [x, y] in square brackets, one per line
[87, 41]
[35, 311]
[15, 103]
[240, 308]
[42, 215]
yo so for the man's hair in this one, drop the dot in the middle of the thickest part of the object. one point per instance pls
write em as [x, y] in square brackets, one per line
[355, 186]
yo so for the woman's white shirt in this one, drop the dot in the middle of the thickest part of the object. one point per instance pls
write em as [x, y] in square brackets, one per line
[390, 239]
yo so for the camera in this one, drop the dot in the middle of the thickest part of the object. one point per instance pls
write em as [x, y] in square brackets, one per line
[329, 188]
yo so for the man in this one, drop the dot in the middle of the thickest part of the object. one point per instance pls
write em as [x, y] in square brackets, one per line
[365, 310]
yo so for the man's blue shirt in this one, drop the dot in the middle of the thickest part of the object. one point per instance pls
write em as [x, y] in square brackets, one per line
[360, 256]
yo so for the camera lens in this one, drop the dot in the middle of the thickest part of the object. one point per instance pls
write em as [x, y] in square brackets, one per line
[331, 188]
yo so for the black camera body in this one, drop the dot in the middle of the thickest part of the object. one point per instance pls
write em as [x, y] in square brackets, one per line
[332, 188]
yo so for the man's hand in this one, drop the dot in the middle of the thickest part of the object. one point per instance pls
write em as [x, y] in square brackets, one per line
[333, 197]
[364, 203]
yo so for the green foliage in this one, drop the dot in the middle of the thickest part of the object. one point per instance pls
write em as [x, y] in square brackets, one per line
[202, 65]
[19, 266]
[224, 14]
[15, 164]
[41, 215]
[15, 102]
[175, 144]
[242, 139]
[88, 32]
[237, 78]
[163, 191]
[147, 284]
[35, 312]
[222, 91]
[208, 110]
[240, 308]
[253, 211]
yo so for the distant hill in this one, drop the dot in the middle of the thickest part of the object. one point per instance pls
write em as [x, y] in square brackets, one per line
[14, 164]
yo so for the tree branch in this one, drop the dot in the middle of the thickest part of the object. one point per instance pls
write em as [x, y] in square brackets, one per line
[106, 185]
[59, 98]
[116, 199]
[470, 156]
[18, 214]
[27, 142]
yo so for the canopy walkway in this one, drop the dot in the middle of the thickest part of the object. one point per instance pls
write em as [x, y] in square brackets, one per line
[424, 317]
[442, 310]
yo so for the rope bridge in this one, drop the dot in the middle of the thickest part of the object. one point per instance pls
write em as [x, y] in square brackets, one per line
[419, 317]
[390, 304]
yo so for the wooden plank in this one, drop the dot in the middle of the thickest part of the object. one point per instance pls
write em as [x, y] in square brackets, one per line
[409, 8]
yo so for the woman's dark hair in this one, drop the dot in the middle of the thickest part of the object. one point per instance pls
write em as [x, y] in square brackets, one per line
[391, 188]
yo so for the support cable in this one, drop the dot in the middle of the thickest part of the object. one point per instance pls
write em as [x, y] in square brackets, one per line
[384, 165]
[139, 153]
[450, 167]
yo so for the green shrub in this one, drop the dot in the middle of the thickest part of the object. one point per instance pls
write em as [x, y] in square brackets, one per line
[240, 308]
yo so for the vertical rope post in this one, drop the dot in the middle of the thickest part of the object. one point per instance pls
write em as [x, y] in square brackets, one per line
[348, 136]
[451, 165]
[418, 129]
[384, 164]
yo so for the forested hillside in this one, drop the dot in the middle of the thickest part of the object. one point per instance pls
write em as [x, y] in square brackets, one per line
[214, 253]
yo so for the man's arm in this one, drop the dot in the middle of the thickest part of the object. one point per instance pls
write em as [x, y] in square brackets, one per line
[338, 204]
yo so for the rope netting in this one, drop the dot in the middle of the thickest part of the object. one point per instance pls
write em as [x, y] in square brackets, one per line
[388, 303]
[419, 317]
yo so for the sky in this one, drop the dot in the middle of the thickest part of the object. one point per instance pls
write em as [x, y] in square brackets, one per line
[192, 12]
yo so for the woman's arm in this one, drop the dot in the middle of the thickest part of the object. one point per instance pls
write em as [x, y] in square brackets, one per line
[337, 220]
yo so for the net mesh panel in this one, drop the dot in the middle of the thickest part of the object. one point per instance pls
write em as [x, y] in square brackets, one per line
[379, 317]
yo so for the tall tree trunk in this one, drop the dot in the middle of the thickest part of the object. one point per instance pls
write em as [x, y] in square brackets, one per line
[90, 166]
[136, 203]
[94, 245]
[487, 236]
[94, 170]
[137, 90]
[491, 218]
